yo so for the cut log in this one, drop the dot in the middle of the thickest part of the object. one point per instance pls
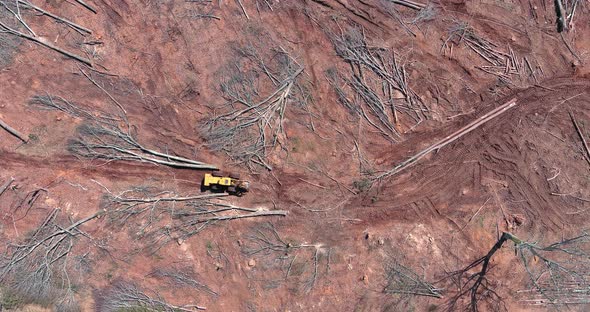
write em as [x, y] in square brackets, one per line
[13, 131]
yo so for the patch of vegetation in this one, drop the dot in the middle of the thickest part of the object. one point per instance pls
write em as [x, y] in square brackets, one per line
[9, 300]
[362, 185]
[295, 143]
[33, 137]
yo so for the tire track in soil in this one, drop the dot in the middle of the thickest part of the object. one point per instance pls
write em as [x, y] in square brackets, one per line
[496, 152]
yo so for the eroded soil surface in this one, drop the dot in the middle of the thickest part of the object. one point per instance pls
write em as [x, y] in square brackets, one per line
[171, 75]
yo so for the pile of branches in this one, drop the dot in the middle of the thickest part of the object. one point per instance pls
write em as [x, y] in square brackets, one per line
[101, 137]
[164, 217]
[378, 89]
[259, 86]
[505, 65]
[8, 43]
[297, 261]
[41, 268]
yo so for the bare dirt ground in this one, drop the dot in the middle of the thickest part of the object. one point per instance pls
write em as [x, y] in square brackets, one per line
[331, 94]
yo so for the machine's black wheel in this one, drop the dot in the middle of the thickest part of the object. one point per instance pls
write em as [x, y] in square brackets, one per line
[231, 190]
[217, 174]
[234, 176]
[241, 189]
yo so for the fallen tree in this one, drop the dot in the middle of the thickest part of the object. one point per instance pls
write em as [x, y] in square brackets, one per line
[109, 142]
[40, 268]
[129, 297]
[168, 217]
[558, 274]
[101, 137]
[260, 85]
[298, 262]
[378, 89]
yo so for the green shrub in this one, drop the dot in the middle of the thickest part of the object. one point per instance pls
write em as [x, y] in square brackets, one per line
[362, 185]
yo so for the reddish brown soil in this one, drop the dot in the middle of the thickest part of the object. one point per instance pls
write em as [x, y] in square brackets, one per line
[166, 67]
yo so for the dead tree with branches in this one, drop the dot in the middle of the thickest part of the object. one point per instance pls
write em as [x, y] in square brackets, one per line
[101, 137]
[299, 261]
[126, 296]
[260, 85]
[182, 277]
[557, 273]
